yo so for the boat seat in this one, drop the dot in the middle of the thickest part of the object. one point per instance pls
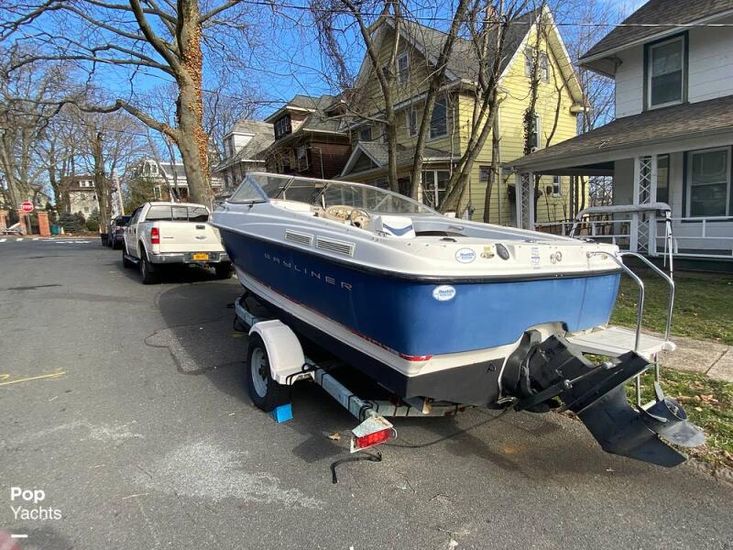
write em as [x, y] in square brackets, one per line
[399, 227]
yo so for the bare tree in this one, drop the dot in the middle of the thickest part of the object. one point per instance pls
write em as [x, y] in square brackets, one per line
[489, 25]
[327, 14]
[136, 37]
[25, 112]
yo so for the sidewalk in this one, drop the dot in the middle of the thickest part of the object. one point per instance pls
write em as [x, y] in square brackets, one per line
[710, 358]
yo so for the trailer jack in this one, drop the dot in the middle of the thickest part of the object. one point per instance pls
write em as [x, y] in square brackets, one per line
[552, 371]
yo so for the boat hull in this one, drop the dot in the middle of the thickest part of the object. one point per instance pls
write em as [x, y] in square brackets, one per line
[421, 317]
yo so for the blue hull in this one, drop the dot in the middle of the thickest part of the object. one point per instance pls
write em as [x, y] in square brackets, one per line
[404, 315]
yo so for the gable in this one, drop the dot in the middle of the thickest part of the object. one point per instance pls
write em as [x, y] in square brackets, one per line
[557, 53]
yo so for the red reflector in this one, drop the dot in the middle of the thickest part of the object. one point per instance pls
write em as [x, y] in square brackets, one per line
[155, 235]
[369, 440]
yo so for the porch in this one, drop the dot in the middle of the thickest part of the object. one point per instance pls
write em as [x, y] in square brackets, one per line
[679, 156]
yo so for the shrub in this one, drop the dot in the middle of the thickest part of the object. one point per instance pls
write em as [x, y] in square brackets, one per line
[72, 223]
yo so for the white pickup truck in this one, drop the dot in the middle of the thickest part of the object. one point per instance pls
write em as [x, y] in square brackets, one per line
[164, 233]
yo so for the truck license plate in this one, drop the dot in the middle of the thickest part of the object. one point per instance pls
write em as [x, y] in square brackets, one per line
[200, 256]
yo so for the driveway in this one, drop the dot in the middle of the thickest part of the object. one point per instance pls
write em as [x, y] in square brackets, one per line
[127, 409]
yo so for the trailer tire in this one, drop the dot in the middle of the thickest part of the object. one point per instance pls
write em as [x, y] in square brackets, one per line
[265, 393]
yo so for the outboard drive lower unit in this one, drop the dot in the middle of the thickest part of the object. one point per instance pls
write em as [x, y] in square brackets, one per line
[551, 374]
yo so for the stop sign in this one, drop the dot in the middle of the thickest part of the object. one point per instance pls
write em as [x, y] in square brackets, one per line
[27, 207]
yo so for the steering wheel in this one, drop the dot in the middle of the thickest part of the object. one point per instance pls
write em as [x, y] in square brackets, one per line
[358, 217]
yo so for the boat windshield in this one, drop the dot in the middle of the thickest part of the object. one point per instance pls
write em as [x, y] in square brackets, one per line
[259, 187]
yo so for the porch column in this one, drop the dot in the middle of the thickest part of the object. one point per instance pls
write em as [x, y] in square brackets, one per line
[643, 225]
[525, 200]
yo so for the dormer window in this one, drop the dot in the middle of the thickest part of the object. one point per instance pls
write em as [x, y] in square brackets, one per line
[282, 127]
[665, 73]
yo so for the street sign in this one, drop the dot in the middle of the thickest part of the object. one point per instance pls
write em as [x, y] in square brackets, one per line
[27, 207]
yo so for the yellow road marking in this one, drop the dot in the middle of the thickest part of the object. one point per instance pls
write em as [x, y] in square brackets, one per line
[7, 382]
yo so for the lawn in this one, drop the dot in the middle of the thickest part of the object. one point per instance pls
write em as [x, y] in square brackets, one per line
[708, 403]
[703, 305]
[703, 310]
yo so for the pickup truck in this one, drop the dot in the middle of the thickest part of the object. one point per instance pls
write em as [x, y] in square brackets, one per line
[164, 233]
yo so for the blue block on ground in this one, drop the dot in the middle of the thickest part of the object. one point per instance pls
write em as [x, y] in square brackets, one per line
[283, 413]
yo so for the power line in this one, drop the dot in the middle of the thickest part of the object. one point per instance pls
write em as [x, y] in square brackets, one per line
[345, 11]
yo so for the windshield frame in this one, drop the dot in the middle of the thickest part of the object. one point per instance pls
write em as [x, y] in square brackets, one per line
[319, 192]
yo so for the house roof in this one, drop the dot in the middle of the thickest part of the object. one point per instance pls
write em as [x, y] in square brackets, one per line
[463, 61]
[678, 122]
[304, 102]
[249, 126]
[378, 153]
[675, 12]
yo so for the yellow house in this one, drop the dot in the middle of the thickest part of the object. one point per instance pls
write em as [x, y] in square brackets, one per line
[559, 100]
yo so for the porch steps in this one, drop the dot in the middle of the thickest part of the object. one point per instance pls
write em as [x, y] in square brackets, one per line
[615, 341]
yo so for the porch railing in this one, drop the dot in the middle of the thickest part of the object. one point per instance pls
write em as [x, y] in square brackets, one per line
[691, 237]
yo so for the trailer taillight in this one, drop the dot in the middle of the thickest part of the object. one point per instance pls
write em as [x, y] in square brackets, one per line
[375, 430]
[155, 235]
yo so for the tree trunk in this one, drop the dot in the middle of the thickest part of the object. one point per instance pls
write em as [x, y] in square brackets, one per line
[100, 181]
[192, 140]
[391, 129]
[494, 172]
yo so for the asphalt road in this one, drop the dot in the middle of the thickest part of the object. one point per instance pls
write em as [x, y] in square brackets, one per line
[145, 438]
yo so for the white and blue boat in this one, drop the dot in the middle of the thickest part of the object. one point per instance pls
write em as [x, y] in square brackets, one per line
[426, 305]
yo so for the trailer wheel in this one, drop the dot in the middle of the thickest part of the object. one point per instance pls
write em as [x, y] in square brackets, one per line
[265, 393]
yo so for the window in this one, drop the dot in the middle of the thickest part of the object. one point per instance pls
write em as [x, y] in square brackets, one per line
[665, 73]
[439, 120]
[156, 191]
[411, 116]
[282, 126]
[708, 183]
[556, 186]
[434, 186]
[177, 213]
[530, 57]
[663, 178]
[483, 173]
[365, 133]
[403, 68]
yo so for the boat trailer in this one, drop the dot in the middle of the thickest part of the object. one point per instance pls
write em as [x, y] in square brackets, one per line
[277, 360]
[541, 375]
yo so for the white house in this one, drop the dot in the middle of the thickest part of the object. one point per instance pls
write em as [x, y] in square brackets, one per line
[672, 139]
[167, 177]
[244, 148]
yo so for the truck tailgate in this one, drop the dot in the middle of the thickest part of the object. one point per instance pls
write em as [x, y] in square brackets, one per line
[188, 237]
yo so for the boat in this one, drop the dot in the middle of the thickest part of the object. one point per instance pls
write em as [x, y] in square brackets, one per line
[438, 308]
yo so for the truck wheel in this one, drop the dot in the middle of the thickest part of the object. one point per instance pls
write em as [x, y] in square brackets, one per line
[148, 271]
[125, 261]
[223, 270]
[265, 393]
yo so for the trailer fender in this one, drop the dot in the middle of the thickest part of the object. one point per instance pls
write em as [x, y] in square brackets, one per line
[284, 351]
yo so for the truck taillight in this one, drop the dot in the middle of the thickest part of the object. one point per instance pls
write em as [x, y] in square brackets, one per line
[155, 235]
